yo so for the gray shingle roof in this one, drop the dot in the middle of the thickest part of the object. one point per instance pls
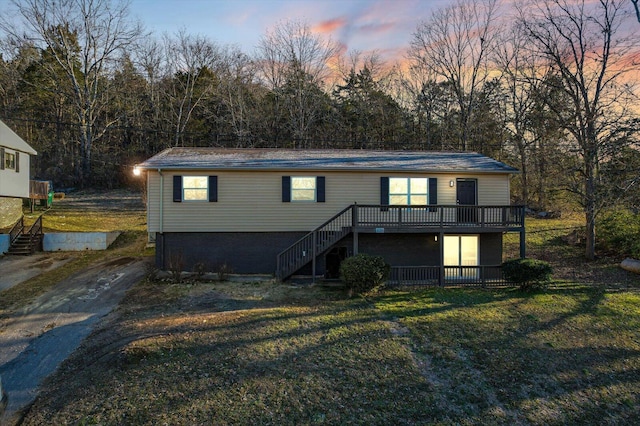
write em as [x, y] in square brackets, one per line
[291, 159]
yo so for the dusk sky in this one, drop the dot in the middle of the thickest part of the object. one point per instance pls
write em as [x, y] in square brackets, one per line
[364, 25]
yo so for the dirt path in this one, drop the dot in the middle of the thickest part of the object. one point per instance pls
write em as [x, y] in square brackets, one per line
[47, 331]
[16, 269]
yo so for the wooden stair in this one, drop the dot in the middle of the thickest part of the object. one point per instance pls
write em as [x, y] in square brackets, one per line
[25, 242]
[315, 243]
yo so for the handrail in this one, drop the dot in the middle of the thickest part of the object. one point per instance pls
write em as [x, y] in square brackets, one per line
[35, 231]
[16, 230]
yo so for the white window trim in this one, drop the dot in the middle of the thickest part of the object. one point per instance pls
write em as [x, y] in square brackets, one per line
[315, 189]
[8, 155]
[408, 193]
[185, 189]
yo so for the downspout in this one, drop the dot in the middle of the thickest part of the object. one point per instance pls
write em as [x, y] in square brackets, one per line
[161, 200]
[161, 220]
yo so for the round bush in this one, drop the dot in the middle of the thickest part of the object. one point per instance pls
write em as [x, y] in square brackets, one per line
[528, 273]
[362, 272]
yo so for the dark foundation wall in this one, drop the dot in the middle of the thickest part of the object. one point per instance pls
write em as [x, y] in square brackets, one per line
[245, 253]
[491, 249]
[402, 249]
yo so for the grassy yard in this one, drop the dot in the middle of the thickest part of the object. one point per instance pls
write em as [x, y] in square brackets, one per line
[266, 353]
[249, 353]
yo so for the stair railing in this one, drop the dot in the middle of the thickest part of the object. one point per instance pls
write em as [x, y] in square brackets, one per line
[16, 230]
[307, 248]
[35, 232]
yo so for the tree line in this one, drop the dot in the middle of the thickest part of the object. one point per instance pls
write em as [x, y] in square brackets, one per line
[547, 86]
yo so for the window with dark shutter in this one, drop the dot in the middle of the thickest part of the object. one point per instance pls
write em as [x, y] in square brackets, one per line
[177, 189]
[1, 158]
[17, 162]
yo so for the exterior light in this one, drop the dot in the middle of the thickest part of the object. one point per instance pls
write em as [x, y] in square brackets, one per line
[452, 183]
[136, 171]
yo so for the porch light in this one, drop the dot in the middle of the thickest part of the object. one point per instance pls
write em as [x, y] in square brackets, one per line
[136, 171]
[452, 183]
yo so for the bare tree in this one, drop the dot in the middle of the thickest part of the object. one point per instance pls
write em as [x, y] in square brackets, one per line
[85, 38]
[585, 44]
[637, 9]
[294, 65]
[191, 63]
[237, 81]
[454, 44]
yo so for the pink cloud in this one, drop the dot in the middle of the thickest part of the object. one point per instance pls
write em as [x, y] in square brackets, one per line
[330, 26]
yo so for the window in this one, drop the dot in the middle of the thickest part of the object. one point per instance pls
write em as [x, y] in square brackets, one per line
[303, 188]
[408, 191]
[461, 251]
[195, 188]
[9, 161]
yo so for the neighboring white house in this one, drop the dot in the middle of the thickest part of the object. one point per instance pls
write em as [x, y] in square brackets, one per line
[15, 160]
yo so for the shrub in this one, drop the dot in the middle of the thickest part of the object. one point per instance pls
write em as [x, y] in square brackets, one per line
[224, 269]
[618, 233]
[362, 273]
[528, 273]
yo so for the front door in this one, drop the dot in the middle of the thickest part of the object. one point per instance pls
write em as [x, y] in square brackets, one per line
[466, 196]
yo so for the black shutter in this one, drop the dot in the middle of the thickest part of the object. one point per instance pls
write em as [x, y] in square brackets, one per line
[1, 158]
[433, 192]
[320, 192]
[177, 189]
[17, 162]
[384, 192]
[213, 189]
[286, 189]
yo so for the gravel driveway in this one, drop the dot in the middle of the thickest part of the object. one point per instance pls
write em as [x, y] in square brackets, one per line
[48, 330]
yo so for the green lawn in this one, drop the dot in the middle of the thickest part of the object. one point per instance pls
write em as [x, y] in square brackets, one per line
[233, 353]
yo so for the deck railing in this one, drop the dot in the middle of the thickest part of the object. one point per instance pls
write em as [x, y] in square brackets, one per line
[440, 216]
[454, 276]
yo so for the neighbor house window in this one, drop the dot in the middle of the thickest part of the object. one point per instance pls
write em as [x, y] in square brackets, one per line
[9, 161]
[195, 188]
[303, 188]
[408, 191]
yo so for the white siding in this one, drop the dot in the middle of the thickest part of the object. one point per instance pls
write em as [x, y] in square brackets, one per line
[12, 183]
[251, 201]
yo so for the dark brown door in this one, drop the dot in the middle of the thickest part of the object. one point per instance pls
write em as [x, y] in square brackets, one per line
[466, 196]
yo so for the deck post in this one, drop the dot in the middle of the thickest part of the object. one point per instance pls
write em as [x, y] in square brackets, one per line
[523, 248]
[441, 277]
[313, 258]
[354, 225]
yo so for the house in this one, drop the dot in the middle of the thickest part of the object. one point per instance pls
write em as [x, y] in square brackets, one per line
[433, 216]
[15, 156]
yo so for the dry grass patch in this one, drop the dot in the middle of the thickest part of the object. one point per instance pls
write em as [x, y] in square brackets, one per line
[279, 356]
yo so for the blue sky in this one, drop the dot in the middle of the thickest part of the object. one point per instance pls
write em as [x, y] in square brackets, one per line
[364, 25]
